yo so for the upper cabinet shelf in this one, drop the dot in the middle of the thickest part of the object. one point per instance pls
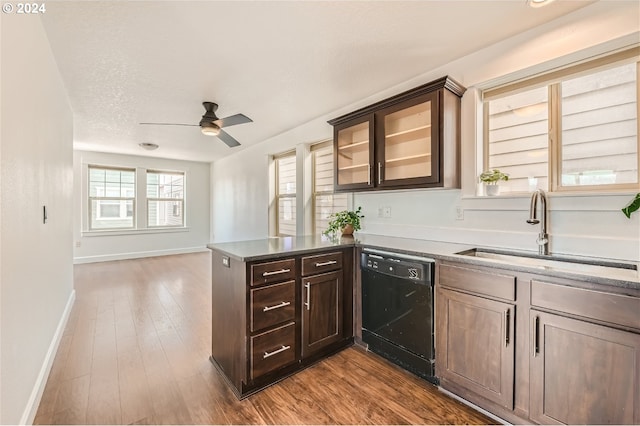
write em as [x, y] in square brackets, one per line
[411, 140]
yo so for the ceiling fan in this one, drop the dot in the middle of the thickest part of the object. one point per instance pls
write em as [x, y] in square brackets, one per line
[211, 125]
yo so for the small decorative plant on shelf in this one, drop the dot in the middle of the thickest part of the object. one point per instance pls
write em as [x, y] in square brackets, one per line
[490, 178]
[346, 221]
[632, 206]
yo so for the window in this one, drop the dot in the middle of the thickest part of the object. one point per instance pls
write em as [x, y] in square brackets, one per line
[111, 198]
[574, 129]
[285, 167]
[325, 202]
[165, 199]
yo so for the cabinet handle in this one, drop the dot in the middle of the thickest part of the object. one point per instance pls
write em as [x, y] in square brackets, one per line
[277, 351]
[379, 173]
[278, 306]
[507, 325]
[307, 286]
[369, 174]
[281, 271]
[536, 336]
[330, 262]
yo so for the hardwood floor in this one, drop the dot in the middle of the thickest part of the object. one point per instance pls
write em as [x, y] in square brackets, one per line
[136, 348]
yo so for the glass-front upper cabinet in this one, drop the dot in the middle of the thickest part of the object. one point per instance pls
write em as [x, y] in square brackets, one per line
[353, 154]
[407, 143]
[411, 140]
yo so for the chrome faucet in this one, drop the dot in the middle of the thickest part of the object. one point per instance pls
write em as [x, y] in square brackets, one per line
[543, 238]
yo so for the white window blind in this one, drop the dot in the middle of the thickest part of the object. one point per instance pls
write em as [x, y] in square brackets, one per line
[285, 166]
[111, 198]
[576, 132]
[165, 199]
[599, 128]
[518, 139]
[325, 202]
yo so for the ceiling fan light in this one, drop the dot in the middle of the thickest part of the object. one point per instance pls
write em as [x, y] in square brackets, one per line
[210, 129]
[538, 3]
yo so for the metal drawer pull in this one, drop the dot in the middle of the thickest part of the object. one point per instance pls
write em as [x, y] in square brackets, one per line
[507, 327]
[308, 302]
[536, 337]
[271, 308]
[281, 271]
[277, 351]
[379, 173]
[330, 262]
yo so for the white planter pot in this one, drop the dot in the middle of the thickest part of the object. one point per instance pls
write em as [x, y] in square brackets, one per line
[492, 190]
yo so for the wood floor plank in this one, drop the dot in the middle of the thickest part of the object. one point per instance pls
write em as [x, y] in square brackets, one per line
[203, 405]
[72, 401]
[136, 349]
[135, 397]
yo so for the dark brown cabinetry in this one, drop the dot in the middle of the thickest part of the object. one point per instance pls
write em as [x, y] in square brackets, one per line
[322, 303]
[273, 317]
[409, 140]
[562, 351]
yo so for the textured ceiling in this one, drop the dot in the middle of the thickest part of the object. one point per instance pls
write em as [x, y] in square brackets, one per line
[280, 63]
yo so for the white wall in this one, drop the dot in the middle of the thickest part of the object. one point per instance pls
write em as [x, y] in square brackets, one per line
[590, 225]
[103, 246]
[36, 170]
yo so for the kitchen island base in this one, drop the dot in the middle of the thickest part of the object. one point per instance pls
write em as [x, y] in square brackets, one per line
[275, 315]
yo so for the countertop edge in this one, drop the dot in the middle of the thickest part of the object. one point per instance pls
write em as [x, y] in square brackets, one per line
[439, 255]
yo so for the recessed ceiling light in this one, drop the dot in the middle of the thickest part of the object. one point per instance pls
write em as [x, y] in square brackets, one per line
[538, 3]
[148, 146]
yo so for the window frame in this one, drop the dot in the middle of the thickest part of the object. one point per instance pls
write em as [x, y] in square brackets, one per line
[278, 196]
[314, 148]
[553, 80]
[150, 199]
[90, 198]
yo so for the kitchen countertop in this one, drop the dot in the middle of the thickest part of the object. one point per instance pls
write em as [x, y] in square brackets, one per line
[253, 250]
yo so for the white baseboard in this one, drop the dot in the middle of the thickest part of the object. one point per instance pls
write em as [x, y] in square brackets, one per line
[33, 403]
[136, 255]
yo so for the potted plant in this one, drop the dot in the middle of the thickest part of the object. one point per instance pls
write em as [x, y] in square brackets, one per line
[490, 178]
[346, 221]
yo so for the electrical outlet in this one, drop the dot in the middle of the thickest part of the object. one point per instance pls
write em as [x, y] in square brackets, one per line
[459, 213]
[386, 212]
[380, 212]
[78, 244]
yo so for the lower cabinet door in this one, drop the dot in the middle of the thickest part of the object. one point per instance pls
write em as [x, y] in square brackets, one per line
[273, 349]
[321, 311]
[583, 373]
[475, 345]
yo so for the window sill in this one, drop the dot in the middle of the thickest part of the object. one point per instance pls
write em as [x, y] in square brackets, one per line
[556, 194]
[144, 231]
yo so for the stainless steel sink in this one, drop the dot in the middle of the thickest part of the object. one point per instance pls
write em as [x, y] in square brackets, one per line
[623, 271]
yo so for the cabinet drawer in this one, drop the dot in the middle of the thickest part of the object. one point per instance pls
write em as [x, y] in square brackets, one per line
[321, 263]
[271, 272]
[612, 308]
[273, 349]
[479, 282]
[272, 305]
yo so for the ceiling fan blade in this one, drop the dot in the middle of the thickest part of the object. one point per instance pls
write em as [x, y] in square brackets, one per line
[228, 139]
[232, 120]
[173, 124]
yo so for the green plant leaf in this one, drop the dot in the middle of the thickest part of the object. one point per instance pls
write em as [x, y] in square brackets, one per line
[632, 206]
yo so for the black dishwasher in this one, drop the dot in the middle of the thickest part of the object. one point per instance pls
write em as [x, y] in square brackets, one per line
[397, 310]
